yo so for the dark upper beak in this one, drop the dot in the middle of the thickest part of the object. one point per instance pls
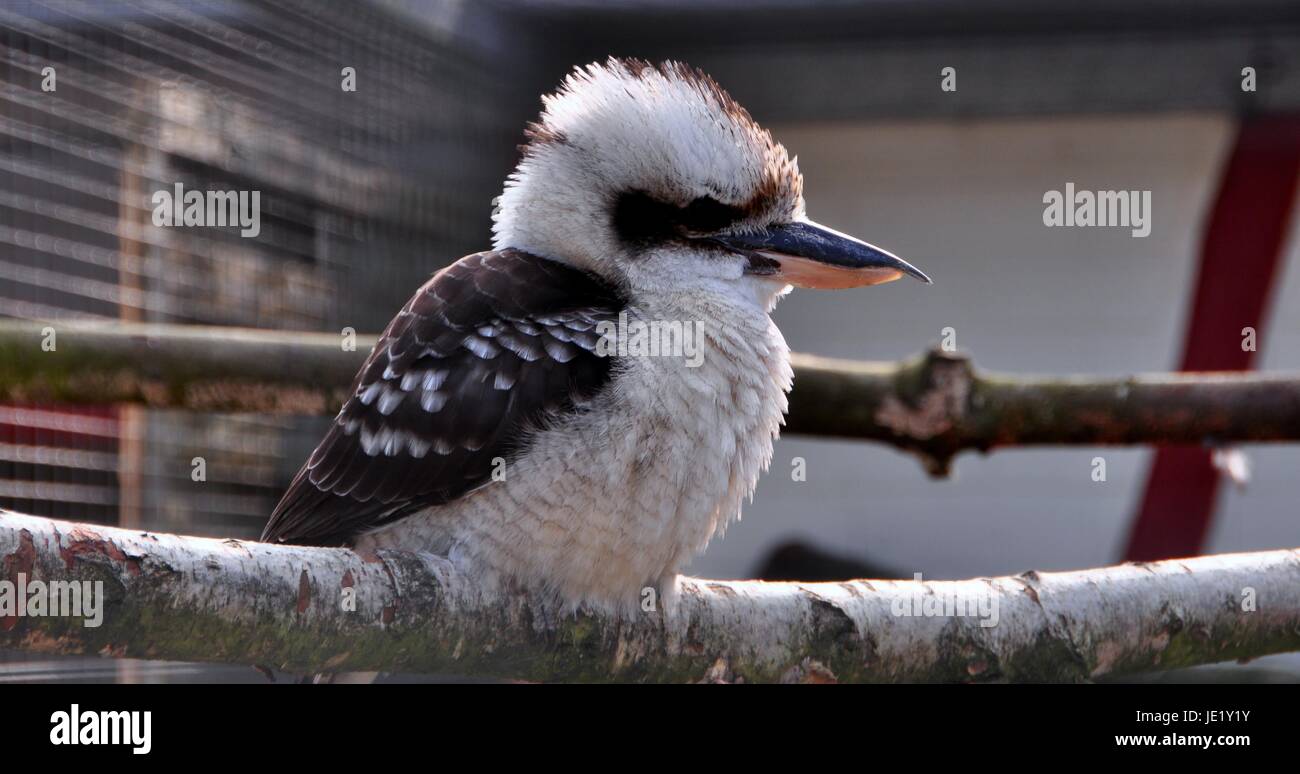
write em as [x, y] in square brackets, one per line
[812, 256]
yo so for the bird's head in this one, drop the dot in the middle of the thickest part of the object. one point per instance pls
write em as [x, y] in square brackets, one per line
[654, 178]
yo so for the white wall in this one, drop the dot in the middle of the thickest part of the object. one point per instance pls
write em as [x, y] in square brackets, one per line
[963, 201]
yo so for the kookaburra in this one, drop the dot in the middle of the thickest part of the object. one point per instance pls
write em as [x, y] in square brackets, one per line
[496, 424]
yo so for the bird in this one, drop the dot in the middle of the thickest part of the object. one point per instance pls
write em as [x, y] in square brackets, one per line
[502, 421]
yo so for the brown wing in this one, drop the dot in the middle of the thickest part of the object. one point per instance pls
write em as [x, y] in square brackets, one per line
[494, 344]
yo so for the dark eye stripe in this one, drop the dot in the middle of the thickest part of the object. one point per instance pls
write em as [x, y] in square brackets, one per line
[641, 219]
[707, 215]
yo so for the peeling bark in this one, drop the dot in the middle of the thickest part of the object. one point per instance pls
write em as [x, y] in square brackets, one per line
[935, 406]
[200, 599]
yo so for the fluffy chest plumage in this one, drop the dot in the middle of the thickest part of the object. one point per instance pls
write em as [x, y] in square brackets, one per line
[620, 495]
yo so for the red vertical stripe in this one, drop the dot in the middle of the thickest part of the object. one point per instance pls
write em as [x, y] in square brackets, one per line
[1239, 260]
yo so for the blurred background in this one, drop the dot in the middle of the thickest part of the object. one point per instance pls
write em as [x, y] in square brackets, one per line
[364, 194]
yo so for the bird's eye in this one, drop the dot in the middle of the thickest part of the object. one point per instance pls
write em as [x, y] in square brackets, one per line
[642, 220]
[707, 215]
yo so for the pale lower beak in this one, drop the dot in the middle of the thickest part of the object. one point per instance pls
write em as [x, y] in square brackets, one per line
[810, 255]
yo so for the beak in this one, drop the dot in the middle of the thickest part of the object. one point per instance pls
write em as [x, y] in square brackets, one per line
[810, 255]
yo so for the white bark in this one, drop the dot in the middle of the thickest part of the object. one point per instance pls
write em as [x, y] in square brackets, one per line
[201, 599]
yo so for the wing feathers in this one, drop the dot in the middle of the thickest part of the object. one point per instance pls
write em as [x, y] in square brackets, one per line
[493, 345]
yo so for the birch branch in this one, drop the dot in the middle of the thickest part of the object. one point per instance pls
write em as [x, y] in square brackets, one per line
[934, 406]
[200, 599]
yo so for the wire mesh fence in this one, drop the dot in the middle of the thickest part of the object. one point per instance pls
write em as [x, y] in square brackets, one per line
[364, 189]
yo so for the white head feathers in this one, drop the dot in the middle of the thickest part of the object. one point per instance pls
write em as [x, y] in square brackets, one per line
[667, 133]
